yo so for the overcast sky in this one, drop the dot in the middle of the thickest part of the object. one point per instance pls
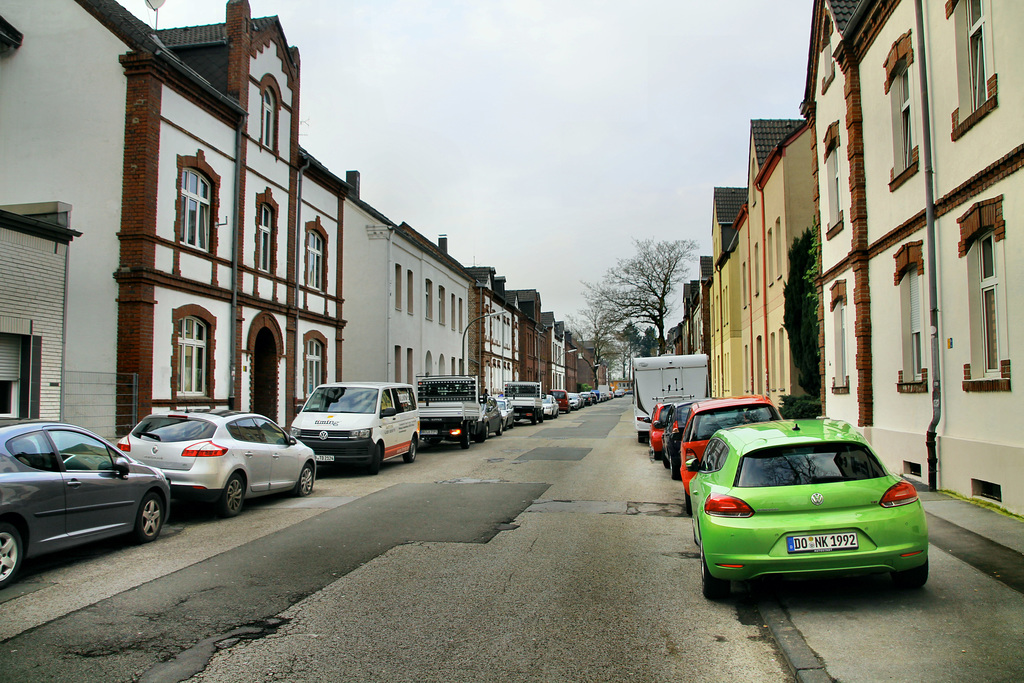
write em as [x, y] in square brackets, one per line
[540, 135]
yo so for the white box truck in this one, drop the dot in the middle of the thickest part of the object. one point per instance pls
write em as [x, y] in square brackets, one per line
[662, 378]
[526, 400]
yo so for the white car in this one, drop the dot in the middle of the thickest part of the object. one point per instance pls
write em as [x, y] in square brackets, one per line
[222, 456]
[550, 407]
[575, 401]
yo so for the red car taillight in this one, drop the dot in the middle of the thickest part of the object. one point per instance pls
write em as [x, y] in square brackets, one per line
[721, 505]
[124, 445]
[205, 449]
[899, 494]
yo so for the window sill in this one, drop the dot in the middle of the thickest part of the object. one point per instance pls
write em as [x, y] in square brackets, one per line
[835, 229]
[986, 385]
[960, 128]
[904, 175]
[915, 387]
[843, 388]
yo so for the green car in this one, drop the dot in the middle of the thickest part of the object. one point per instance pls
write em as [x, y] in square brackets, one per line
[802, 498]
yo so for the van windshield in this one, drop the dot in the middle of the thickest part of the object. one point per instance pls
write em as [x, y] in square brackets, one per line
[342, 400]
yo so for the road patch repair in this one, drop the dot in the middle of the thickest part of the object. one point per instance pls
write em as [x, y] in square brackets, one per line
[555, 453]
[150, 631]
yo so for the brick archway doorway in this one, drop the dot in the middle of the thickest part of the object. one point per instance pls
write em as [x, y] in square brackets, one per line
[264, 374]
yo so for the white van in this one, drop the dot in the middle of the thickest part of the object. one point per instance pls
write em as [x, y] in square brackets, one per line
[660, 378]
[360, 423]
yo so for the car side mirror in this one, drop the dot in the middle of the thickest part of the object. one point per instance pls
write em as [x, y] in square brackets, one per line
[676, 437]
[292, 440]
[692, 465]
[122, 466]
[645, 420]
[388, 412]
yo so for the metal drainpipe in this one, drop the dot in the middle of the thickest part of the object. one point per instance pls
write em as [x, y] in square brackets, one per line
[298, 271]
[764, 295]
[236, 204]
[929, 198]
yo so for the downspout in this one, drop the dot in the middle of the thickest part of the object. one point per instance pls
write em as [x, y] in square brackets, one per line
[298, 273]
[236, 205]
[929, 199]
[764, 294]
[389, 305]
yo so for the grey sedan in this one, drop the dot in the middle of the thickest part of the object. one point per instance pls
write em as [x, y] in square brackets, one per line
[63, 486]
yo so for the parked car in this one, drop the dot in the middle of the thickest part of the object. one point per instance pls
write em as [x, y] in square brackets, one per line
[550, 407]
[803, 498]
[562, 399]
[508, 418]
[670, 451]
[63, 486]
[491, 419]
[575, 401]
[619, 393]
[659, 418]
[708, 416]
[222, 456]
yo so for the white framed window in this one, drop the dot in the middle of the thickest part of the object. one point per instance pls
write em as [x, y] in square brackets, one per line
[832, 185]
[780, 250]
[976, 44]
[910, 294]
[264, 239]
[839, 331]
[195, 209]
[398, 287]
[757, 270]
[268, 124]
[988, 292]
[440, 306]
[743, 285]
[453, 322]
[783, 357]
[314, 364]
[770, 254]
[409, 290]
[429, 306]
[192, 340]
[902, 121]
[314, 259]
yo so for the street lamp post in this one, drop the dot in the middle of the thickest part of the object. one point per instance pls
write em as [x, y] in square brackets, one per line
[466, 331]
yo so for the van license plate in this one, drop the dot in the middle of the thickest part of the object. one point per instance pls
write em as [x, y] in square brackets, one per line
[822, 543]
[428, 432]
[324, 458]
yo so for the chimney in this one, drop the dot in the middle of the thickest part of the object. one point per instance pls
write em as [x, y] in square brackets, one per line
[442, 243]
[238, 24]
[352, 178]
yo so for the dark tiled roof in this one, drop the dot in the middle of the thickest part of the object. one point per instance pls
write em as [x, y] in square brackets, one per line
[547, 318]
[707, 267]
[766, 134]
[188, 36]
[728, 202]
[842, 12]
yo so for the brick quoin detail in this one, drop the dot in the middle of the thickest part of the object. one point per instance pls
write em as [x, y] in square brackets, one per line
[980, 218]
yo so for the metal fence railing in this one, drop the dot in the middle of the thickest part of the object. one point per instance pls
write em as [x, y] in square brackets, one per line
[105, 402]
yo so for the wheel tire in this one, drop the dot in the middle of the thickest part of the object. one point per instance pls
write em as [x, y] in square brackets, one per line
[11, 553]
[232, 498]
[481, 433]
[464, 439]
[378, 458]
[713, 589]
[149, 520]
[533, 419]
[304, 484]
[665, 459]
[688, 505]
[498, 431]
[911, 578]
[511, 424]
[410, 455]
[639, 437]
[675, 467]
[541, 417]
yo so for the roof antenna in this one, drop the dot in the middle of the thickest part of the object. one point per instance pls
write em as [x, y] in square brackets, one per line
[796, 426]
[155, 5]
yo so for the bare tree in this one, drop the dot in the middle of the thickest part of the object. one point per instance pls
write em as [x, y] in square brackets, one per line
[594, 327]
[640, 289]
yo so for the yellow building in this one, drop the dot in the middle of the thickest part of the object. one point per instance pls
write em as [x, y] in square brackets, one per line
[725, 312]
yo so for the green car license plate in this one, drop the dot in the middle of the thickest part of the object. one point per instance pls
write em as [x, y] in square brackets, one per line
[821, 543]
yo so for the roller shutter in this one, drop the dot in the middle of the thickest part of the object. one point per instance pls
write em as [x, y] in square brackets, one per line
[10, 357]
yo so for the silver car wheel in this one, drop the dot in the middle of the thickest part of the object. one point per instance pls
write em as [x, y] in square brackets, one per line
[10, 551]
[151, 517]
[305, 485]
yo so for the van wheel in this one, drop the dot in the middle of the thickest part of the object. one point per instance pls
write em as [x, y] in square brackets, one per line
[376, 460]
[533, 418]
[11, 554]
[411, 453]
[232, 497]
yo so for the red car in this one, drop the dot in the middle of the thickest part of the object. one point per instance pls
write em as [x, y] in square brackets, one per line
[562, 399]
[707, 417]
[659, 418]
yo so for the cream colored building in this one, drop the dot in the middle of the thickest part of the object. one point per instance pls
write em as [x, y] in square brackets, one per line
[865, 107]
[726, 355]
[780, 208]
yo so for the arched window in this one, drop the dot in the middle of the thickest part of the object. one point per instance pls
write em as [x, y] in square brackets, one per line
[268, 127]
[192, 339]
[314, 259]
[264, 239]
[195, 209]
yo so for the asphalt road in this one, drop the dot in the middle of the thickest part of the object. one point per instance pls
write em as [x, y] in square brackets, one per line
[556, 552]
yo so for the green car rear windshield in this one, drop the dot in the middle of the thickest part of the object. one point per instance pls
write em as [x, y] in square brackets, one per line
[809, 464]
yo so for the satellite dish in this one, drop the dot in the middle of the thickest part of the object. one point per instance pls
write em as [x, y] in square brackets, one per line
[154, 4]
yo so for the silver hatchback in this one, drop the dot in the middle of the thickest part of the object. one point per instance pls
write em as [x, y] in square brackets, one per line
[222, 456]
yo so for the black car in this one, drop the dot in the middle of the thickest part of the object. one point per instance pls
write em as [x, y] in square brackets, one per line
[63, 486]
[670, 456]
